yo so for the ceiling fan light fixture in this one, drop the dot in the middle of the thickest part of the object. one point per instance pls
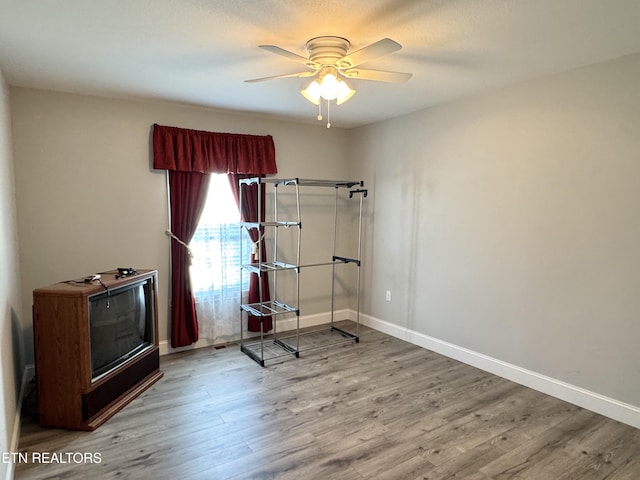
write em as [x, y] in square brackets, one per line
[329, 87]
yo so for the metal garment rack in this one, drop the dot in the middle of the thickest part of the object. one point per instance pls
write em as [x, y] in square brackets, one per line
[266, 346]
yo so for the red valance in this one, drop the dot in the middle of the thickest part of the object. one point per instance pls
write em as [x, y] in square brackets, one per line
[185, 150]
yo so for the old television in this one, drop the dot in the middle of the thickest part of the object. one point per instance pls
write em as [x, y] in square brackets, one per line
[121, 325]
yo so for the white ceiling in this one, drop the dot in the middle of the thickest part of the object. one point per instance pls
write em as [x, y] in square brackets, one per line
[201, 51]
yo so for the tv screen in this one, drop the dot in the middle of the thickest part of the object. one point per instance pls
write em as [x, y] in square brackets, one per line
[120, 325]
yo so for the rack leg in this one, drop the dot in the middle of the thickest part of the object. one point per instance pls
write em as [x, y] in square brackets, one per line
[252, 355]
[346, 334]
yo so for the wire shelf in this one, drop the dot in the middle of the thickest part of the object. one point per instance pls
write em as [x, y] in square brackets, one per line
[266, 309]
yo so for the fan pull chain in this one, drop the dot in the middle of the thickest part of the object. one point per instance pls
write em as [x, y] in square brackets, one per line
[328, 112]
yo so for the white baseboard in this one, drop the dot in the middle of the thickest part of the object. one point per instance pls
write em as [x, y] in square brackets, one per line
[283, 325]
[609, 407]
[27, 374]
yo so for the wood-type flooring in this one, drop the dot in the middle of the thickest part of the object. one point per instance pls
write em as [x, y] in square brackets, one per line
[378, 409]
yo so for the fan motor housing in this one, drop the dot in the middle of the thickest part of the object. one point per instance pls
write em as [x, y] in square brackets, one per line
[328, 49]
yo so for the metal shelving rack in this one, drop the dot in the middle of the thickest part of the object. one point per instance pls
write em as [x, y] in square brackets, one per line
[267, 346]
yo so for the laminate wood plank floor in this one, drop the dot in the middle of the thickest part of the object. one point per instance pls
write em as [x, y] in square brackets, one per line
[378, 409]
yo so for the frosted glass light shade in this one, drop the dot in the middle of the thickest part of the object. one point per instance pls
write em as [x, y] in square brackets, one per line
[344, 93]
[329, 88]
[312, 92]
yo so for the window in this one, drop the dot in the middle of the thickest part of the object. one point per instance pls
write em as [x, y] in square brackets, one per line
[215, 268]
[216, 243]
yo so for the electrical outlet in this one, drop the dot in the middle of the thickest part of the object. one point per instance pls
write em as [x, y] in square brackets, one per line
[388, 296]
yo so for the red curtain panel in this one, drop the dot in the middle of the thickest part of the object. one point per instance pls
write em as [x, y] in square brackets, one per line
[249, 213]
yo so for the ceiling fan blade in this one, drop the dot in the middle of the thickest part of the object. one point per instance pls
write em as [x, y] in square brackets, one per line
[375, 50]
[376, 75]
[286, 75]
[290, 55]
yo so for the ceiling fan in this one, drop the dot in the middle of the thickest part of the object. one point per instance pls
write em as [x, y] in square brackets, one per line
[329, 60]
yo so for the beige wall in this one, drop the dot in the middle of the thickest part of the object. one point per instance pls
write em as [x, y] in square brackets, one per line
[508, 224]
[88, 200]
[11, 352]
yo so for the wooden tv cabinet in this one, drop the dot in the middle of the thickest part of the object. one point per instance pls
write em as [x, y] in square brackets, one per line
[67, 395]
